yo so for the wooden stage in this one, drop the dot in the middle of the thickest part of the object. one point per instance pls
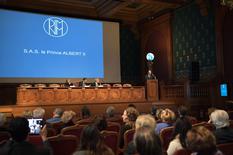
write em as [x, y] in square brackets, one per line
[97, 99]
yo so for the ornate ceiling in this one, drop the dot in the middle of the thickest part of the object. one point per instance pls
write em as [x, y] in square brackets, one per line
[127, 11]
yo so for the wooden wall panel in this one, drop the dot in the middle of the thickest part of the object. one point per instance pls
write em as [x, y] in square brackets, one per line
[64, 96]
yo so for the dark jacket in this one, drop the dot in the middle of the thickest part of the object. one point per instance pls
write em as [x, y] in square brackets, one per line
[12, 147]
[224, 135]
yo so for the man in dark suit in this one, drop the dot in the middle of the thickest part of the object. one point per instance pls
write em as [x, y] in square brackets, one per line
[150, 75]
[96, 83]
[83, 83]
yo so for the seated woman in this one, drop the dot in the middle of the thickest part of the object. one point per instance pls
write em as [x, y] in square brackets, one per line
[67, 118]
[146, 121]
[147, 142]
[167, 118]
[183, 112]
[201, 141]
[91, 143]
[181, 127]
[129, 117]
[223, 133]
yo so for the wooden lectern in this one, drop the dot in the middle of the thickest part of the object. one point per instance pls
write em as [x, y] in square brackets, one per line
[152, 91]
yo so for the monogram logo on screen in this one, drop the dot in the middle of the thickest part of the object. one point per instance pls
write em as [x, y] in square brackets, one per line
[55, 27]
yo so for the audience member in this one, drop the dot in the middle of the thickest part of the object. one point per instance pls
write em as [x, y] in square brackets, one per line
[183, 112]
[27, 113]
[57, 113]
[100, 122]
[223, 133]
[147, 142]
[110, 111]
[68, 118]
[158, 115]
[38, 113]
[85, 112]
[181, 127]
[129, 117]
[153, 110]
[167, 119]
[18, 145]
[146, 121]
[201, 142]
[132, 105]
[3, 126]
[91, 143]
[210, 110]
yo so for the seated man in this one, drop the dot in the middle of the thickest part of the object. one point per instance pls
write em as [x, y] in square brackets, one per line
[83, 82]
[223, 132]
[57, 113]
[97, 83]
[18, 145]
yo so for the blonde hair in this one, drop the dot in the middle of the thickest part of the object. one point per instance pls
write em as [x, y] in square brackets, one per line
[67, 116]
[167, 115]
[145, 121]
[38, 112]
[27, 113]
[2, 119]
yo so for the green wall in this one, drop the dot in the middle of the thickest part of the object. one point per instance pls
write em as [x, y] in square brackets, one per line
[193, 40]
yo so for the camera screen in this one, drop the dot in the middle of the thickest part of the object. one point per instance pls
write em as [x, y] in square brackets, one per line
[35, 125]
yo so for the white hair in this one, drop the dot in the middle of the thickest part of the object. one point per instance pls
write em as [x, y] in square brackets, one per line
[219, 118]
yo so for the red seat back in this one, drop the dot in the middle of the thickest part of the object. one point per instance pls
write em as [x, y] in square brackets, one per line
[51, 132]
[63, 144]
[113, 126]
[4, 135]
[36, 140]
[128, 137]
[165, 136]
[227, 149]
[117, 119]
[183, 152]
[73, 130]
[86, 121]
[111, 139]
[56, 126]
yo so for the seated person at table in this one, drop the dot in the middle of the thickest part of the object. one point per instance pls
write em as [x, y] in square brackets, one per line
[97, 83]
[68, 83]
[83, 83]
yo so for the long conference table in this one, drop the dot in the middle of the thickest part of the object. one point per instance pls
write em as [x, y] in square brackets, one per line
[76, 95]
